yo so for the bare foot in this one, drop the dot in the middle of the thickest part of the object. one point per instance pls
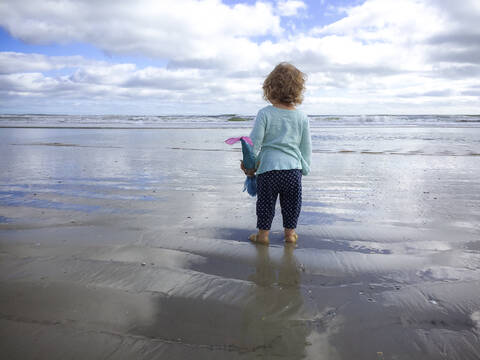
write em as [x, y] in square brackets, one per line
[291, 236]
[259, 238]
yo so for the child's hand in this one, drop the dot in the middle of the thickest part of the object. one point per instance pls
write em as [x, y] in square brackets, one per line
[250, 172]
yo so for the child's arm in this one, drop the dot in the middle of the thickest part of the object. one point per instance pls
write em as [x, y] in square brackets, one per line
[306, 147]
[258, 133]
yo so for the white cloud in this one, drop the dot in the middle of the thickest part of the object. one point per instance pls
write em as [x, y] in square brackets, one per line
[388, 20]
[113, 83]
[177, 30]
[13, 62]
[383, 56]
[290, 7]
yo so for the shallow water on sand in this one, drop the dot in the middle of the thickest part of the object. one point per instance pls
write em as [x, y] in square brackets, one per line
[135, 242]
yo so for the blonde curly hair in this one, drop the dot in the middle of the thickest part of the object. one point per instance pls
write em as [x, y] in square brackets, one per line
[285, 85]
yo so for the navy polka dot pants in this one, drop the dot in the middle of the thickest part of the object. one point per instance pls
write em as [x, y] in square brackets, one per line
[271, 184]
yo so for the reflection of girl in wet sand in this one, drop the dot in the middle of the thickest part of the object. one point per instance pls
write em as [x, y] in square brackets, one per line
[270, 324]
[282, 145]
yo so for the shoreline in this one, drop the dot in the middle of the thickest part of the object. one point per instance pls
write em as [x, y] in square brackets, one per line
[194, 127]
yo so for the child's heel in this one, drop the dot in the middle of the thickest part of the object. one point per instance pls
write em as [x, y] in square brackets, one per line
[292, 239]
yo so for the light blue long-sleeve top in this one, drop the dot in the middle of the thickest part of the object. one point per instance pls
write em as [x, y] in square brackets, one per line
[281, 140]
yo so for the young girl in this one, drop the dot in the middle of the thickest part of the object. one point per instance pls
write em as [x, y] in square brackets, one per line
[282, 146]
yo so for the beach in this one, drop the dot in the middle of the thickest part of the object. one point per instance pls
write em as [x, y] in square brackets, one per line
[132, 243]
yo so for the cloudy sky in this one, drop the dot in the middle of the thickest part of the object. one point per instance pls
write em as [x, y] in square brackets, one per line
[210, 56]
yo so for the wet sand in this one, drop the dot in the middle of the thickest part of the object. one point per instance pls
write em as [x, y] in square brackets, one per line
[132, 244]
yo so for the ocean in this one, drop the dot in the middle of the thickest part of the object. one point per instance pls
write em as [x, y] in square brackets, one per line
[215, 121]
[452, 135]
